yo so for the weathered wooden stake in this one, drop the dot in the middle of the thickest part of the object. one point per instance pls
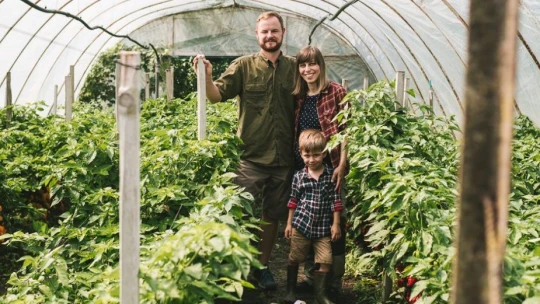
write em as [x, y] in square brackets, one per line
[486, 157]
[345, 84]
[366, 83]
[69, 97]
[156, 79]
[405, 88]
[201, 98]
[400, 79]
[72, 73]
[169, 79]
[129, 144]
[9, 98]
[147, 86]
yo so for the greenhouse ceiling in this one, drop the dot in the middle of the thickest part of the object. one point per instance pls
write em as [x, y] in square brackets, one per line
[425, 38]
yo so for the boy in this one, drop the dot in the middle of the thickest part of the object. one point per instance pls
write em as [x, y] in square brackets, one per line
[314, 215]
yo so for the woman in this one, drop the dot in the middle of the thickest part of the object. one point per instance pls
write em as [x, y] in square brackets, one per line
[318, 101]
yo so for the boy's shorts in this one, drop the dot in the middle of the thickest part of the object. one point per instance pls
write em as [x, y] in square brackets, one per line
[300, 247]
[270, 185]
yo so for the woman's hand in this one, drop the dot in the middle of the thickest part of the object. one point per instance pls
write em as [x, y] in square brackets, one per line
[288, 231]
[336, 232]
[338, 176]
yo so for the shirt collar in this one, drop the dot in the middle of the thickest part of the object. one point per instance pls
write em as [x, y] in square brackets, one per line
[268, 61]
[326, 170]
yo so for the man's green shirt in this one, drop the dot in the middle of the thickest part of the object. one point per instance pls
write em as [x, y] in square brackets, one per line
[266, 106]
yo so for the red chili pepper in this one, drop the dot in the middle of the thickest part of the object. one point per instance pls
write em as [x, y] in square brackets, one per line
[411, 281]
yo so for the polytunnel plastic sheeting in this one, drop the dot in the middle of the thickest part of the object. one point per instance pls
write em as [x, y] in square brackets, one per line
[425, 38]
[205, 33]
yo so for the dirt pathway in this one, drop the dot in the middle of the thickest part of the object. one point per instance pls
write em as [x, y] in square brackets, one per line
[278, 266]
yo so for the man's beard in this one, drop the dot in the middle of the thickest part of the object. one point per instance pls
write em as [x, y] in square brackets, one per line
[271, 49]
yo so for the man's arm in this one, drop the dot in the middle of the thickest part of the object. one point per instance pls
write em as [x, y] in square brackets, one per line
[212, 92]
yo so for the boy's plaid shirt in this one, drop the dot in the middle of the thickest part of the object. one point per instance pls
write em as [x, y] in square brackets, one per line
[315, 202]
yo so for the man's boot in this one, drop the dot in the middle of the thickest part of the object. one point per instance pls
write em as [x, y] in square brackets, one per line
[321, 289]
[292, 275]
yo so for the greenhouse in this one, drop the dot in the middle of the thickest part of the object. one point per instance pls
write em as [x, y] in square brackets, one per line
[440, 126]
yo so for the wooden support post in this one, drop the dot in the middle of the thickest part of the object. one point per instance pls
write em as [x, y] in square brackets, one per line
[485, 171]
[156, 79]
[405, 88]
[9, 98]
[169, 79]
[129, 144]
[147, 86]
[72, 73]
[116, 86]
[69, 98]
[366, 83]
[201, 98]
[400, 79]
[345, 84]
[55, 100]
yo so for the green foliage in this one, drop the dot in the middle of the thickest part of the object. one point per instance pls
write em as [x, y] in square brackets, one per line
[100, 82]
[69, 241]
[403, 185]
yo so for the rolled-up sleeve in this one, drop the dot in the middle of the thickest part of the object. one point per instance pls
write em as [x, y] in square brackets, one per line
[336, 198]
[295, 193]
[229, 83]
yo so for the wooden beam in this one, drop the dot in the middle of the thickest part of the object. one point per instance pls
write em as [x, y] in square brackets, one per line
[69, 98]
[129, 144]
[9, 98]
[400, 80]
[201, 98]
[486, 157]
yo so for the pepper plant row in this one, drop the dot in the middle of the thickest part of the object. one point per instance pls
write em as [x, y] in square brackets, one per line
[60, 206]
[403, 191]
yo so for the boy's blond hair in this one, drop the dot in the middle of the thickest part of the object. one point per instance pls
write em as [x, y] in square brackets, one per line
[312, 140]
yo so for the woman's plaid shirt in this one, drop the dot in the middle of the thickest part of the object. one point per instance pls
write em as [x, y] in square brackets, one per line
[315, 202]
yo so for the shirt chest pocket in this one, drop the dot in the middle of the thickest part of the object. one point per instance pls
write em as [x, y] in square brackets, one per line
[327, 116]
[255, 94]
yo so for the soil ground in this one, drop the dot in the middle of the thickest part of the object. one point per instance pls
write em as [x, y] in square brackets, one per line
[278, 266]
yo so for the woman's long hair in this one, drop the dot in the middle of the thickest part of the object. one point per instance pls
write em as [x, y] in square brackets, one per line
[309, 54]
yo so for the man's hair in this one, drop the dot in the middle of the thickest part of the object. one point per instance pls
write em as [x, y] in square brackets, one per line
[312, 140]
[306, 55]
[270, 14]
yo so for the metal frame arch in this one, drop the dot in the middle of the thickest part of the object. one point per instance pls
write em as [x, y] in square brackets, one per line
[429, 50]
[377, 14]
[209, 7]
[387, 40]
[107, 41]
[8, 32]
[45, 50]
[466, 25]
[128, 23]
[75, 37]
[355, 32]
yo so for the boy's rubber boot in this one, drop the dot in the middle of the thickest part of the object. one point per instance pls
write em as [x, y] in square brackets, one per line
[292, 275]
[320, 287]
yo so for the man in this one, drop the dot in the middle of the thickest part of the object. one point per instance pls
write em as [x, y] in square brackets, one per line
[263, 84]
